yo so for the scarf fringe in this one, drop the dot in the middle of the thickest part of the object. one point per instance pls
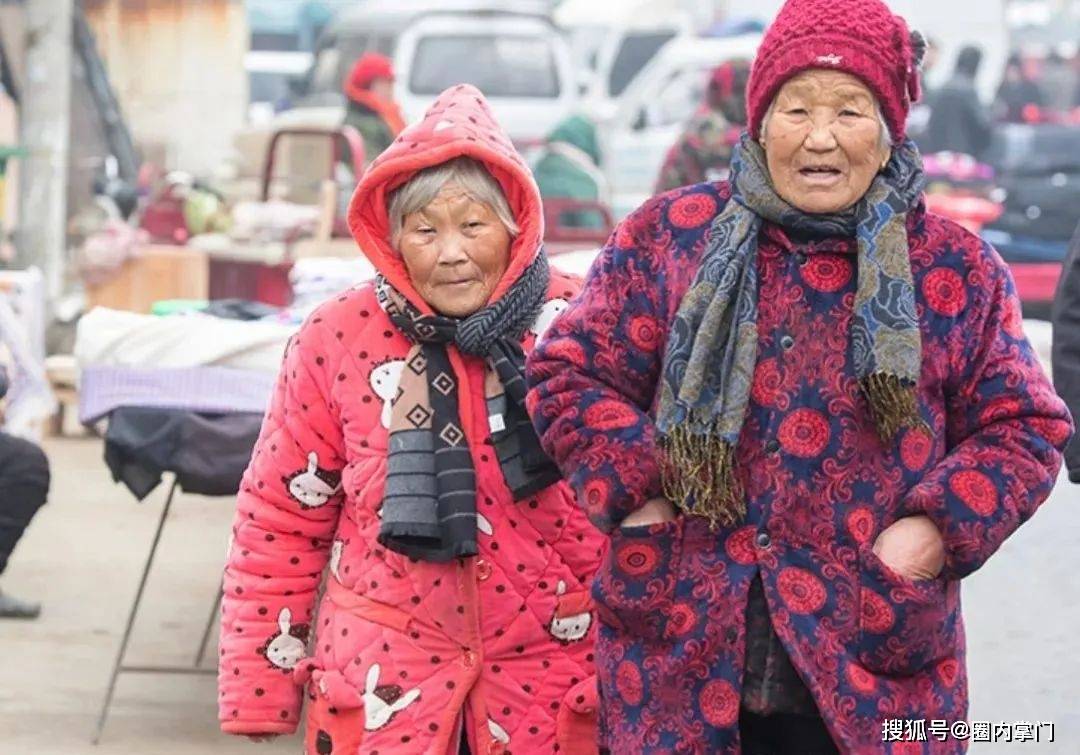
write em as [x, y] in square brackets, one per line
[893, 404]
[699, 476]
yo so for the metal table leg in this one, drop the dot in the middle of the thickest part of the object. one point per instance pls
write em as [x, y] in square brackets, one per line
[206, 632]
[131, 616]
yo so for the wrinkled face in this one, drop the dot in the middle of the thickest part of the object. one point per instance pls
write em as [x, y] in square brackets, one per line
[456, 251]
[823, 141]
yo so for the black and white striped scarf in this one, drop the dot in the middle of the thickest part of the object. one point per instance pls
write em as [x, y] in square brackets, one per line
[429, 506]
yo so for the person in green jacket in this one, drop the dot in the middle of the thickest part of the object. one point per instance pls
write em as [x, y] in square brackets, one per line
[371, 109]
[569, 168]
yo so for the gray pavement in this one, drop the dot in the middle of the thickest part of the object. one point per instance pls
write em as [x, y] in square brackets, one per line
[83, 554]
[82, 557]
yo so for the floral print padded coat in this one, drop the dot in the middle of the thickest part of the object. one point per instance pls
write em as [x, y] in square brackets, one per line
[870, 644]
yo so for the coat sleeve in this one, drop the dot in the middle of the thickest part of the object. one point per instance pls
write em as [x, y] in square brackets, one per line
[1066, 351]
[279, 547]
[593, 378]
[1005, 429]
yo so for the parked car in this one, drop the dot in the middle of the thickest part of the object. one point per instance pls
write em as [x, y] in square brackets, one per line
[521, 63]
[651, 114]
[611, 42]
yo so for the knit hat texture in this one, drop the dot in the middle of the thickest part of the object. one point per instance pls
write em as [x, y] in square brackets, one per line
[860, 37]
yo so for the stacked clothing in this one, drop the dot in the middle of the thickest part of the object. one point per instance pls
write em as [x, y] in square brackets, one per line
[317, 279]
[183, 394]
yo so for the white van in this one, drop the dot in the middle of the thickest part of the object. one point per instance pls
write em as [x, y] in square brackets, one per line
[520, 62]
[652, 113]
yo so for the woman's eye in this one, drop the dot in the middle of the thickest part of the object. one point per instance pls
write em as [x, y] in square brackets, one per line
[850, 113]
[474, 224]
[425, 230]
[797, 111]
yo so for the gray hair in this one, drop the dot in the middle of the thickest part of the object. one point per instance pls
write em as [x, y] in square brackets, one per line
[471, 175]
[884, 139]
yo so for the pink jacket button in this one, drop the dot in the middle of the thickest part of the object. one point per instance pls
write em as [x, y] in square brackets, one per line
[483, 570]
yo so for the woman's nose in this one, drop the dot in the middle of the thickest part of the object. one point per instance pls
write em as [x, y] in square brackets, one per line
[452, 250]
[821, 137]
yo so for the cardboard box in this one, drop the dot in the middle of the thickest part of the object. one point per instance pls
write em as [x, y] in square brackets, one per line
[159, 272]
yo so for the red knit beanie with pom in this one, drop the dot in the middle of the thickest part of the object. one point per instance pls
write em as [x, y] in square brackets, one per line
[859, 37]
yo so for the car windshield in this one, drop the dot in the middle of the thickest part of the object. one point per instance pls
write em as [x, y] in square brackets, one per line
[500, 66]
[635, 51]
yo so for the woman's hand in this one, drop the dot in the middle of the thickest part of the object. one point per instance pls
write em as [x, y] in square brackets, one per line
[655, 511]
[912, 547]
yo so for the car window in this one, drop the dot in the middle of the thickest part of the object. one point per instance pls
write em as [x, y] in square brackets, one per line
[635, 51]
[502, 66]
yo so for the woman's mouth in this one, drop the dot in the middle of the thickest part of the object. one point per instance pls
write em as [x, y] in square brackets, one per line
[820, 175]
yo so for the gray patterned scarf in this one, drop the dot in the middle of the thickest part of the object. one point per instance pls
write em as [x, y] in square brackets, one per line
[712, 345]
[429, 506]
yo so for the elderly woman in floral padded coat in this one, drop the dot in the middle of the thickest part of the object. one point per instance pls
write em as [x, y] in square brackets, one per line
[805, 409]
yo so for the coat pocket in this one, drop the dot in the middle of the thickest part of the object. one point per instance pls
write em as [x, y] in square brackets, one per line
[904, 625]
[634, 586]
[354, 622]
[364, 608]
[576, 727]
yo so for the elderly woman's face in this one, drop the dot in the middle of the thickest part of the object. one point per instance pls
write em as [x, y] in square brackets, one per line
[456, 251]
[823, 141]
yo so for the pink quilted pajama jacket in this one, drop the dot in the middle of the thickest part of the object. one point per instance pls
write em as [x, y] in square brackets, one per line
[404, 656]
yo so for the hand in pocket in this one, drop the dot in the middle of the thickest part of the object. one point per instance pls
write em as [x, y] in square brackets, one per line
[912, 547]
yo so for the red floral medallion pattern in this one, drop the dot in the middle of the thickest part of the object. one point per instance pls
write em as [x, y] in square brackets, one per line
[976, 490]
[804, 433]
[637, 558]
[878, 616]
[628, 683]
[944, 291]
[827, 273]
[801, 590]
[915, 448]
[692, 210]
[719, 704]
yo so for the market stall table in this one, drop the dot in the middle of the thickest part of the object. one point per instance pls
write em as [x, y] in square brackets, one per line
[201, 430]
